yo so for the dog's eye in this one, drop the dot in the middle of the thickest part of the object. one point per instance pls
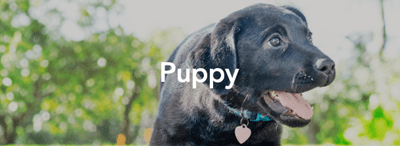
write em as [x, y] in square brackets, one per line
[274, 41]
[309, 37]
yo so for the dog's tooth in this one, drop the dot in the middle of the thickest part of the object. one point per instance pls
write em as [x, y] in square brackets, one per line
[312, 108]
[273, 94]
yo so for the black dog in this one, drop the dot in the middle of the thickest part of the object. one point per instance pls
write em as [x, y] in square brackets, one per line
[277, 61]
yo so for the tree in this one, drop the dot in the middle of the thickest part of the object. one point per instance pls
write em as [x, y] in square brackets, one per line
[52, 85]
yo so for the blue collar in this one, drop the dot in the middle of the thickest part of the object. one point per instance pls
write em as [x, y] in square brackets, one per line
[249, 115]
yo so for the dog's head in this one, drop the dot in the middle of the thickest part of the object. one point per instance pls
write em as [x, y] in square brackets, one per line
[272, 47]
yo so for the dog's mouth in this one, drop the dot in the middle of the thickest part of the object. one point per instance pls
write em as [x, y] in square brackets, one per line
[288, 104]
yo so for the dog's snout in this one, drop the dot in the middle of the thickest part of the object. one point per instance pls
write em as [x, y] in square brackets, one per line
[325, 66]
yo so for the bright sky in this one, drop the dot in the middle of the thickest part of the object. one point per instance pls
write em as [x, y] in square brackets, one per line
[330, 21]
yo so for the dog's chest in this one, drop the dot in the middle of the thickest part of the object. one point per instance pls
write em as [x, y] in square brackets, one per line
[206, 133]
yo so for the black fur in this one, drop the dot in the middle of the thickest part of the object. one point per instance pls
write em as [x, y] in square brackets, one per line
[188, 116]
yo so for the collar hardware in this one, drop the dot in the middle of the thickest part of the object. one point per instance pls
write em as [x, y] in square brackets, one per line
[252, 116]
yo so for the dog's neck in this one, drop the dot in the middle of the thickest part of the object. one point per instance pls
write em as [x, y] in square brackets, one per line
[252, 116]
[236, 106]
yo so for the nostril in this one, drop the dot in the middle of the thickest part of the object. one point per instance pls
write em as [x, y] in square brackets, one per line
[323, 68]
[326, 66]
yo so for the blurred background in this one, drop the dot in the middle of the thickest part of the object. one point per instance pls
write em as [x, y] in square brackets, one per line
[87, 71]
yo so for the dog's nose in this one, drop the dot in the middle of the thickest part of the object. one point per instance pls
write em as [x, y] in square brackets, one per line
[325, 66]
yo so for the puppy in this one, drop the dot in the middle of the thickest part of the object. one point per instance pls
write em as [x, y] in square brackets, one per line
[277, 61]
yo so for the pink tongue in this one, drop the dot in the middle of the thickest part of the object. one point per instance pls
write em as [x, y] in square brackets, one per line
[296, 102]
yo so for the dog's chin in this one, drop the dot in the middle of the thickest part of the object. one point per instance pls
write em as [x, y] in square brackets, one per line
[287, 108]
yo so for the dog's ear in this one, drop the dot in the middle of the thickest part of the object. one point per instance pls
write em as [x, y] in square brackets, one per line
[217, 50]
[297, 12]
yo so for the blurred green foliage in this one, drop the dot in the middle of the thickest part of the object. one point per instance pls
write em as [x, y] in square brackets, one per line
[58, 91]
[73, 92]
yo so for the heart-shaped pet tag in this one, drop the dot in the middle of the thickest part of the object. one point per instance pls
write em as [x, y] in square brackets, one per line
[242, 133]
